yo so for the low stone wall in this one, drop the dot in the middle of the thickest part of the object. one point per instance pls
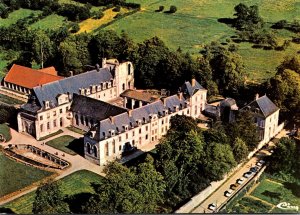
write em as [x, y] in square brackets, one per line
[200, 197]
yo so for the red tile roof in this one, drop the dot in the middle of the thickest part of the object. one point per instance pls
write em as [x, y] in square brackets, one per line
[30, 78]
[49, 70]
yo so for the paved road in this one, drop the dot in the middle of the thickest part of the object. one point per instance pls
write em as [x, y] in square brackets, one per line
[218, 196]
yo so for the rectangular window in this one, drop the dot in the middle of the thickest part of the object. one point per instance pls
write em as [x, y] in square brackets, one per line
[54, 113]
[48, 115]
[106, 149]
[41, 127]
[162, 130]
[67, 108]
[120, 147]
[147, 128]
[41, 117]
[140, 130]
[146, 136]
[120, 138]
[133, 133]
[54, 123]
[48, 125]
[162, 122]
[126, 136]
[60, 111]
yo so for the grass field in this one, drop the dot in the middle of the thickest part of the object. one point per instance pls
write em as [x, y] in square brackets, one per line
[16, 15]
[5, 131]
[195, 24]
[15, 176]
[266, 196]
[62, 143]
[76, 183]
[91, 24]
[52, 21]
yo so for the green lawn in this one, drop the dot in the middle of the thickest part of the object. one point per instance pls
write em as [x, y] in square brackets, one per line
[76, 183]
[249, 205]
[9, 100]
[195, 24]
[5, 131]
[16, 15]
[275, 193]
[76, 130]
[266, 196]
[51, 135]
[52, 21]
[15, 176]
[62, 143]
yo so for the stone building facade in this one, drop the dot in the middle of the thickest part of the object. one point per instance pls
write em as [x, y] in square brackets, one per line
[48, 109]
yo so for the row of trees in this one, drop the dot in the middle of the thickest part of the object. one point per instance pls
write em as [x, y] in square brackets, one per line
[185, 163]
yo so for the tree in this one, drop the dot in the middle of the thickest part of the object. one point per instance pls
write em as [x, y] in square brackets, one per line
[245, 129]
[239, 149]
[218, 161]
[42, 47]
[173, 9]
[224, 67]
[49, 199]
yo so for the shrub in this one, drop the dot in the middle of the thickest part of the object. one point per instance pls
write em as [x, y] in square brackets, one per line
[173, 9]
[161, 8]
[280, 24]
[98, 14]
[117, 9]
[75, 28]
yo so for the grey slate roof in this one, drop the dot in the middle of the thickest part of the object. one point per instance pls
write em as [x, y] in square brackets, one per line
[264, 104]
[49, 92]
[93, 108]
[130, 119]
[189, 90]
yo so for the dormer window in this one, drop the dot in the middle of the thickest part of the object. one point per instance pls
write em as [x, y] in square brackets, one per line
[176, 108]
[139, 122]
[47, 104]
[125, 127]
[131, 124]
[166, 112]
[112, 133]
[117, 129]
[88, 91]
[103, 133]
[144, 120]
[103, 86]
[99, 88]
[108, 84]
[81, 91]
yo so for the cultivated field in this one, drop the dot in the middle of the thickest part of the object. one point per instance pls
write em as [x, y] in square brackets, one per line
[196, 23]
[266, 196]
[76, 183]
[16, 176]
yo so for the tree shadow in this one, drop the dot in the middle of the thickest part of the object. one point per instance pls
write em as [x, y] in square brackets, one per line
[4, 210]
[77, 145]
[227, 21]
[293, 187]
[76, 201]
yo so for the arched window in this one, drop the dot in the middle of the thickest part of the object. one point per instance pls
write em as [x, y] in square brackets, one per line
[129, 69]
[95, 149]
[76, 119]
[88, 146]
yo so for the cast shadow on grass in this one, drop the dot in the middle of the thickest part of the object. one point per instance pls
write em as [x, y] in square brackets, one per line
[77, 146]
[76, 201]
[4, 210]
[293, 187]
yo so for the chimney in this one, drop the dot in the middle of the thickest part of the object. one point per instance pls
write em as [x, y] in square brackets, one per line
[256, 96]
[97, 67]
[71, 73]
[180, 95]
[193, 82]
[103, 62]
[112, 119]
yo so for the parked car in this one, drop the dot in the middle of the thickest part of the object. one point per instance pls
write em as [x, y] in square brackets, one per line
[254, 169]
[212, 206]
[240, 181]
[234, 186]
[248, 174]
[228, 193]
